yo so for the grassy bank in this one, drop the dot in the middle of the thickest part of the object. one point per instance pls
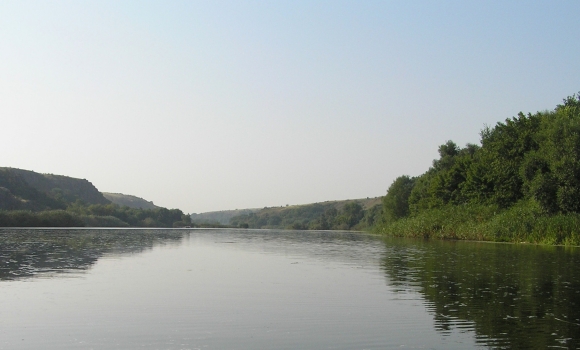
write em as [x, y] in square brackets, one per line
[524, 222]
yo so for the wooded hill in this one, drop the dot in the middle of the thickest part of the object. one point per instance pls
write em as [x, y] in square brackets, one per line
[28, 190]
[30, 199]
[356, 214]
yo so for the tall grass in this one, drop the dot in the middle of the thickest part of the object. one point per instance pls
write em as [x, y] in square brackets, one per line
[522, 223]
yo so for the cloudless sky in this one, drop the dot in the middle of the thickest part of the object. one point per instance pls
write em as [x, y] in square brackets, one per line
[211, 105]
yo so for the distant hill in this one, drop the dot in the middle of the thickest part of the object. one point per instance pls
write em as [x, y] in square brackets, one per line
[67, 189]
[30, 199]
[28, 190]
[129, 201]
[221, 217]
[351, 214]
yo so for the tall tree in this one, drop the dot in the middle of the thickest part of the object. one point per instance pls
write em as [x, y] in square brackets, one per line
[396, 202]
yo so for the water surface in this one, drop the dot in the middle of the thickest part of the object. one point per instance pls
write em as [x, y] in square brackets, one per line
[263, 289]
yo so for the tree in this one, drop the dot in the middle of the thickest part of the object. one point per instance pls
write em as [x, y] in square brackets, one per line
[494, 177]
[351, 214]
[396, 202]
[551, 175]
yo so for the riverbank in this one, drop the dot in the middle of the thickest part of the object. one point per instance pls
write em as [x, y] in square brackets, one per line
[523, 223]
[146, 218]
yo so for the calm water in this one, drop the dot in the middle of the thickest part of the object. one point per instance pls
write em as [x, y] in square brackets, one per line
[259, 289]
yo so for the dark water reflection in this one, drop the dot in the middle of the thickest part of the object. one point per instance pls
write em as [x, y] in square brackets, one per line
[515, 297]
[35, 253]
[497, 295]
[28, 253]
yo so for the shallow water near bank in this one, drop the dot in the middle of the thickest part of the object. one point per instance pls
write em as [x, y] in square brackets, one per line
[262, 289]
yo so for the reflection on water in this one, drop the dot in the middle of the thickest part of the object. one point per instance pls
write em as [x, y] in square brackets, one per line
[29, 253]
[515, 297]
[284, 289]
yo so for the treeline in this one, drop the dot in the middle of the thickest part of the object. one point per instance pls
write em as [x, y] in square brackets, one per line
[96, 215]
[47, 218]
[344, 215]
[126, 216]
[522, 183]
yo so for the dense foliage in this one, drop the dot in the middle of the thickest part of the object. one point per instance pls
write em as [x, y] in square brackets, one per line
[96, 215]
[48, 218]
[529, 164]
[159, 217]
[396, 202]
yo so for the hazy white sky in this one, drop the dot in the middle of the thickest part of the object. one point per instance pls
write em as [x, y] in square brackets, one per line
[210, 105]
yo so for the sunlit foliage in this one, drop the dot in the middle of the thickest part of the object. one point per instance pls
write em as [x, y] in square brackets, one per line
[531, 162]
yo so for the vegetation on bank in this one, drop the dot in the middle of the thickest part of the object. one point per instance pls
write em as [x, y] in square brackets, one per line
[48, 218]
[336, 215]
[521, 184]
[95, 215]
[104, 215]
[221, 217]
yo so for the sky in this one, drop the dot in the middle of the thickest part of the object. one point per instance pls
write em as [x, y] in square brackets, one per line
[217, 105]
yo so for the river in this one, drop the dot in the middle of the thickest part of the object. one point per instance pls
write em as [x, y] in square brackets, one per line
[274, 289]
